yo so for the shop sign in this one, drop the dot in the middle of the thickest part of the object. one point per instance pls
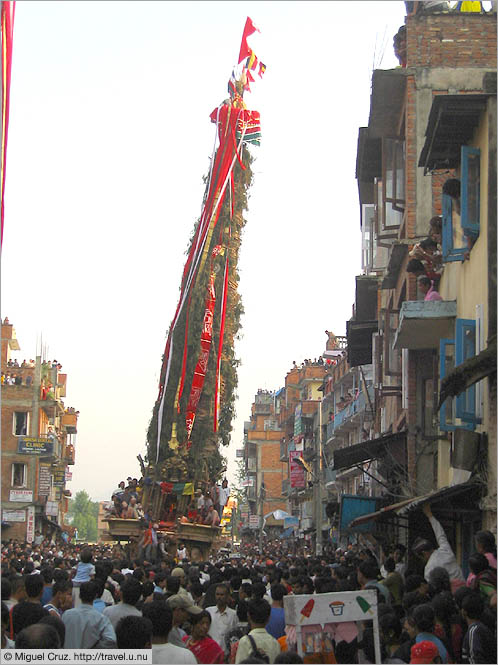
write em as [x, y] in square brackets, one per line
[68, 476]
[59, 476]
[30, 525]
[44, 480]
[297, 478]
[33, 446]
[52, 508]
[254, 521]
[239, 452]
[14, 515]
[24, 496]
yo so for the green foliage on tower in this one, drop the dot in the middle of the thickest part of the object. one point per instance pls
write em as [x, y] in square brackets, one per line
[204, 460]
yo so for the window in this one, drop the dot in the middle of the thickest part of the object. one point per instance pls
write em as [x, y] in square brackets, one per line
[19, 475]
[393, 175]
[461, 228]
[20, 423]
[458, 412]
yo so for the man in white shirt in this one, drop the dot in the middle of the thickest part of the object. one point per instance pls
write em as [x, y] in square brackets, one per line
[161, 617]
[223, 618]
[443, 556]
[224, 493]
[258, 613]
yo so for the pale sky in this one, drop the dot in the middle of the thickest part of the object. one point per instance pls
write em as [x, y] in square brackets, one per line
[109, 139]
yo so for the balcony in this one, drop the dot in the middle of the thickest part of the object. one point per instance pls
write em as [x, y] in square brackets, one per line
[69, 454]
[70, 422]
[349, 416]
[423, 323]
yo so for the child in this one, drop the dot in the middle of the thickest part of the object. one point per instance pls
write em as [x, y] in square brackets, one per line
[84, 572]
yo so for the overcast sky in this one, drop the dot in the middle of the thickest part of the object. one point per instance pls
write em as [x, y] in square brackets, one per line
[109, 139]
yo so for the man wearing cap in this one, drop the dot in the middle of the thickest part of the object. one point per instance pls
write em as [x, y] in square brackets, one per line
[443, 556]
[182, 591]
[162, 651]
[180, 606]
[223, 618]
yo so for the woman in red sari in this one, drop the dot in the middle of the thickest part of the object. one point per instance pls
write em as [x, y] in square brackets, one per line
[204, 648]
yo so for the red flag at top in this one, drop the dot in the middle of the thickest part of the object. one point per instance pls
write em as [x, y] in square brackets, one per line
[249, 28]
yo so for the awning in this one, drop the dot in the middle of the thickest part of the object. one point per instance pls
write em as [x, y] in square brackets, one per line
[359, 334]
[367, 450]
[52, 524]
[396, 257]
[452, 123]
[403, 507]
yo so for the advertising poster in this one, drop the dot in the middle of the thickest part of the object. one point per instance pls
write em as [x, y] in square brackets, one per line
[30, 524]
[314, 621]
[44, 480]
[297, 478]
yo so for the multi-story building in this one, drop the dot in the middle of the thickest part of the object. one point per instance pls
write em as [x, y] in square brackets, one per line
[434, 387]
[38, 443]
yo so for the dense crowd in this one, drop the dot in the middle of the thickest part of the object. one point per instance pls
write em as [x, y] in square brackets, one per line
[230, 609]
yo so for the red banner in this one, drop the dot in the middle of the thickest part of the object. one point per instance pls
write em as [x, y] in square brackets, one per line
[202, 362]
[7, 29]
[297, 477]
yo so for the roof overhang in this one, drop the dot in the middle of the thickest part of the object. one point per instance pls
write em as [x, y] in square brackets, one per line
[452, 123]
[386, 101]
[367, 450]
[402, 508]
[422, 323]
[396, 257]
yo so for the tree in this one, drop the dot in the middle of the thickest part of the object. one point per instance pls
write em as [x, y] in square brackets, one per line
[84, 512]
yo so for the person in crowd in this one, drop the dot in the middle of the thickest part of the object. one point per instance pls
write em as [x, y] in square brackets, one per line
[160, 615]
[485, 544]
[38, 636]
[57, 623]
[181, 608]
[224, 494]
[393, 581]
[17, 590]
[484, 580]
[6, 642]
[212, 517]
[427, 288]
[276, 623]
[424, 652]
[131, 592]
[86, 628]
[223, 618]
[62, 598]
[448, 625]
[180, 573]
[233, 636]
[83, 572]
[367, 574]
[479, 643]
[390, 631]
[258, 640]
[134, 632]
[423, 619]
[442, 555]
[204, 648]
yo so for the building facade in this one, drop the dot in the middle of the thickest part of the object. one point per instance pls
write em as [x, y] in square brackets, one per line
[38, 443]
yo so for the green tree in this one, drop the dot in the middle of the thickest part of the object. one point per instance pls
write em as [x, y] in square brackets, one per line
[84, 512]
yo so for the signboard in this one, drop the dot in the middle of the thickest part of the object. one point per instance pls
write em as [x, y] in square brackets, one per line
[298, 427]
[248, 482]
[60, 476]
[33, 446]
[30, 525]
[14, 515]
[297, 478]
[44, 480]
[24, 496]
[353, 506]
[51, 508]
[314, 618]
[68, 475]
[239, 452]
[254, 521]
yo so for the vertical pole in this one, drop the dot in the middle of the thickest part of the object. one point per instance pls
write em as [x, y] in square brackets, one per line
[260, 510]
[318, 485]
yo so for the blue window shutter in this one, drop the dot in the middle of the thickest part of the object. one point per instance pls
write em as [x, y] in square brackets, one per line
[449, 252]
[465, 347]
[443, 424]
[470, 190]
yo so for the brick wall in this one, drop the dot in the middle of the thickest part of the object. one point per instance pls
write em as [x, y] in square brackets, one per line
[451, 40]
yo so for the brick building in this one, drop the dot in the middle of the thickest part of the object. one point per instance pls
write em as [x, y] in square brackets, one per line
[431, 119]
[38, 443]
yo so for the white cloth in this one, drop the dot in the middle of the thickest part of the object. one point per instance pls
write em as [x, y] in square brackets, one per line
[443, 556]
[221, 623]
[165, 654]
[264, 642]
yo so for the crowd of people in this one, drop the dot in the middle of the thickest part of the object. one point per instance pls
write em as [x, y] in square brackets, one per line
[230, 609]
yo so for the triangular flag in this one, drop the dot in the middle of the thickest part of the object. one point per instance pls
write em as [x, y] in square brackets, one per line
[249, 29]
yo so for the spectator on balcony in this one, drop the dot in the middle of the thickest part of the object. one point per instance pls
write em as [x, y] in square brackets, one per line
[3, 378]
[436, 229]
[212, 518]
[426, 285]
[29, 380]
